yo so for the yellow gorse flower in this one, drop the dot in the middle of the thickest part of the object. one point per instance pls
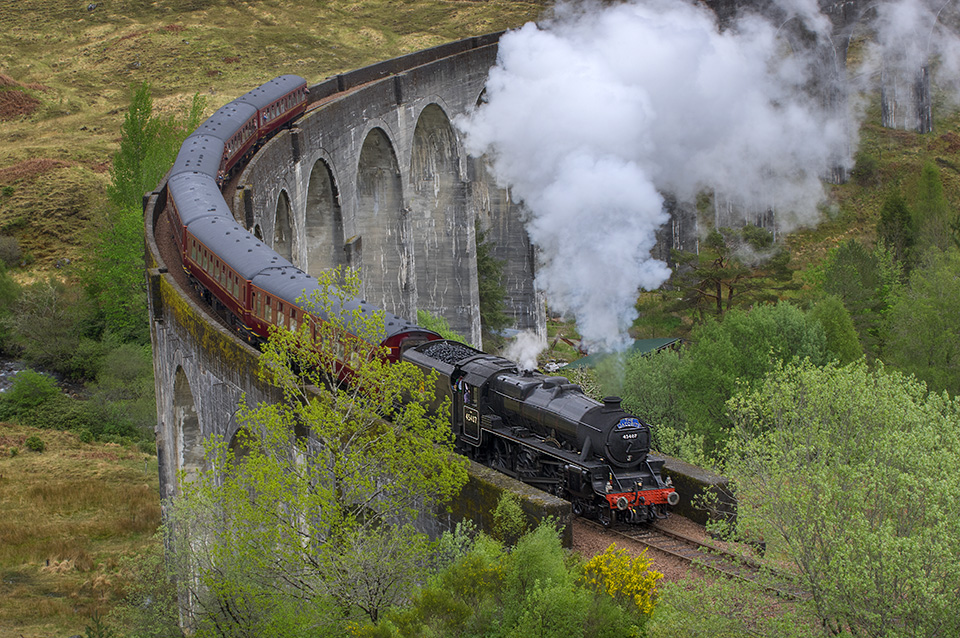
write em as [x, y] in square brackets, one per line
[624, 578]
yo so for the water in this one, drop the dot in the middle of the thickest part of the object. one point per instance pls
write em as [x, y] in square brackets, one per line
[8, 369]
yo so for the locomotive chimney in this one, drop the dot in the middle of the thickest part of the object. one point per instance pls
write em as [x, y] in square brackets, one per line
[611, 404]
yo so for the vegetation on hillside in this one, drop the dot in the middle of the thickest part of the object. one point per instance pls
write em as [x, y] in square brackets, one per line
[794, 379]
[81, 86]
[71, 512]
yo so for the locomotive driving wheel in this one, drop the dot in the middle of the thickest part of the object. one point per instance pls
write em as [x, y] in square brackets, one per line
[500, 457]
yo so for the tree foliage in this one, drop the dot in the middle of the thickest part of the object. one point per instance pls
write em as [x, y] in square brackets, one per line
[438, 325]
[148, 145]
[733, 267]
[865, 281]
[727, 608]
[849, 474]
[842, 344]
[50, 326]
[734, 354]
[113, 277]
[310, 508]
[924, 322]
[535, 589]
[895, 229]
[933, 211]
[492, 291]
[9, 291]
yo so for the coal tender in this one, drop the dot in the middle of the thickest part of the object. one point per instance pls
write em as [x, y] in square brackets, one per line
[543, 430]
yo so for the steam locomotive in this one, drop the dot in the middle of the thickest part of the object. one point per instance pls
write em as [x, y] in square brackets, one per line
[540, 429]
[543, 430]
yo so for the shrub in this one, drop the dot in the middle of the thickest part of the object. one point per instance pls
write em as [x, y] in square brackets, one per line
[86, 436]
[10, 253]
[509, 521]
[865, 169]
[438, 325]
[35, 443]
[48, 323]
[627, 580]
[59, 413]
[30, 390]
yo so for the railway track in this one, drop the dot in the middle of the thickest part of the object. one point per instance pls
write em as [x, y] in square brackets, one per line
[709, 557]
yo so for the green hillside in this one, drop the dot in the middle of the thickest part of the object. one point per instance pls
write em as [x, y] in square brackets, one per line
[67, 68]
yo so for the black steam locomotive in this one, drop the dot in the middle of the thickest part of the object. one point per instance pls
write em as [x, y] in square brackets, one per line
[542, 430]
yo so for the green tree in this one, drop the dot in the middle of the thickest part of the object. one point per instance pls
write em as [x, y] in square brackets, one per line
[849, 474]
[728, 608]
[933, 211]
[842, 341]
[50, 325]
[114, 276]
[734, 267]
[895, 229]
[493, 319]
[729, 356]
[9, 291]
[311, 507]
[148, 145]
[865, 281]
[438, 325]
[122, 398]
[924, 322]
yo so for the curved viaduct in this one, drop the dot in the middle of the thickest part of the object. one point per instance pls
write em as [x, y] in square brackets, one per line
[373, 176]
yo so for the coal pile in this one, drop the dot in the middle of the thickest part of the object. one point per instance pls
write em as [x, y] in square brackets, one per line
[447, 351]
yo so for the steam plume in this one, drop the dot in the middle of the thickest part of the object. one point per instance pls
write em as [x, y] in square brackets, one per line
[593, 114]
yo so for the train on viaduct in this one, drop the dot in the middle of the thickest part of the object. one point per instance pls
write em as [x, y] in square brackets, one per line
[374, 176]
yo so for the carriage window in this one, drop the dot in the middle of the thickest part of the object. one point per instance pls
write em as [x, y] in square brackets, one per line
[293, 320]
[258, 304]
[269, 311]
[281, 321]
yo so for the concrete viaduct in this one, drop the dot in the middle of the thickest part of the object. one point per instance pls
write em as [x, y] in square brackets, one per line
[373, 176]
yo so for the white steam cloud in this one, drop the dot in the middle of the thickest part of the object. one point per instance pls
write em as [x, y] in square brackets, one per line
[524, 349]
[590, 116]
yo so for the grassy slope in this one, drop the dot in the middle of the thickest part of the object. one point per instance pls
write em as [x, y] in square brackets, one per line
[853, 208]
[67, 515]
[80, 64]
[83, 506]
